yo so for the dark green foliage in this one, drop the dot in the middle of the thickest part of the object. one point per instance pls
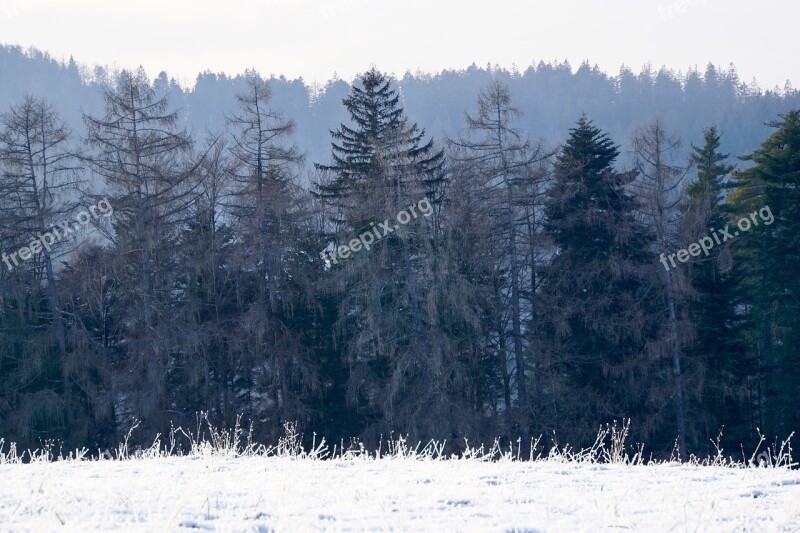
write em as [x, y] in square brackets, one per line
[770, 257]
[715, 309]
[403, 310]
[602, 313]
[379, 140]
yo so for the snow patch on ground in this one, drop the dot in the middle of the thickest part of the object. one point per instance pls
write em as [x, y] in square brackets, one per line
[292, 494]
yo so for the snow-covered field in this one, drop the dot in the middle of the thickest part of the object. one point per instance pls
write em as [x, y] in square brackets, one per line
[255, 493]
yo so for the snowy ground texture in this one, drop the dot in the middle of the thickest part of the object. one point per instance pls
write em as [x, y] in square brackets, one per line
[210, 489]
[290, 494]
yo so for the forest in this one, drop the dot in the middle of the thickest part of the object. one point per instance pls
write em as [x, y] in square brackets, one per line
[514, 287]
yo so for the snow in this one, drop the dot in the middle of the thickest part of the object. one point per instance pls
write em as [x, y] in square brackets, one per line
[256, 493]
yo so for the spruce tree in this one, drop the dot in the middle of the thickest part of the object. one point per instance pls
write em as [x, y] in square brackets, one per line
[770, 253]
[380, 138]
[602, 313]
[718, 346]
[398, 309]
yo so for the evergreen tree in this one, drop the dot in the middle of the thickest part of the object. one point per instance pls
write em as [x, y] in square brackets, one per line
[602, 311]
[379, 139]
[718, 348]
[770, 254]
[396, 310]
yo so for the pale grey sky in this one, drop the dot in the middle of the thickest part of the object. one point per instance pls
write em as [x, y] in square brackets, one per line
[315, 38]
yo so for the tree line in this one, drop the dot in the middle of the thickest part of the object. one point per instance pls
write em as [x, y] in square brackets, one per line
[527, 299]
[549, 94]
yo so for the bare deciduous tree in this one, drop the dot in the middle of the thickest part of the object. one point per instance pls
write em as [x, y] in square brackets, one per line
[511, 168]
[659, 185]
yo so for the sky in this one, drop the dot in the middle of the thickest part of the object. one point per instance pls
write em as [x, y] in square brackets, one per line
[315, 39]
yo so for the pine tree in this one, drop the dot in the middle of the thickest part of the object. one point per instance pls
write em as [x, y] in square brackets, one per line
[600, 307]
[379, 139]
[718, 346]
[768, 194]
[396, 304]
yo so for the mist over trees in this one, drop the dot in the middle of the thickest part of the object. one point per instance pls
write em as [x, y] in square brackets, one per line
[473, 255]
[549, 94]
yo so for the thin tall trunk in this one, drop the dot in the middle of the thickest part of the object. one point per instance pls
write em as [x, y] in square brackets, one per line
[516, 307]
[676, 365]
[52, 294]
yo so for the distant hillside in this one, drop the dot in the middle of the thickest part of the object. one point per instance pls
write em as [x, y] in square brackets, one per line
[550, 96]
